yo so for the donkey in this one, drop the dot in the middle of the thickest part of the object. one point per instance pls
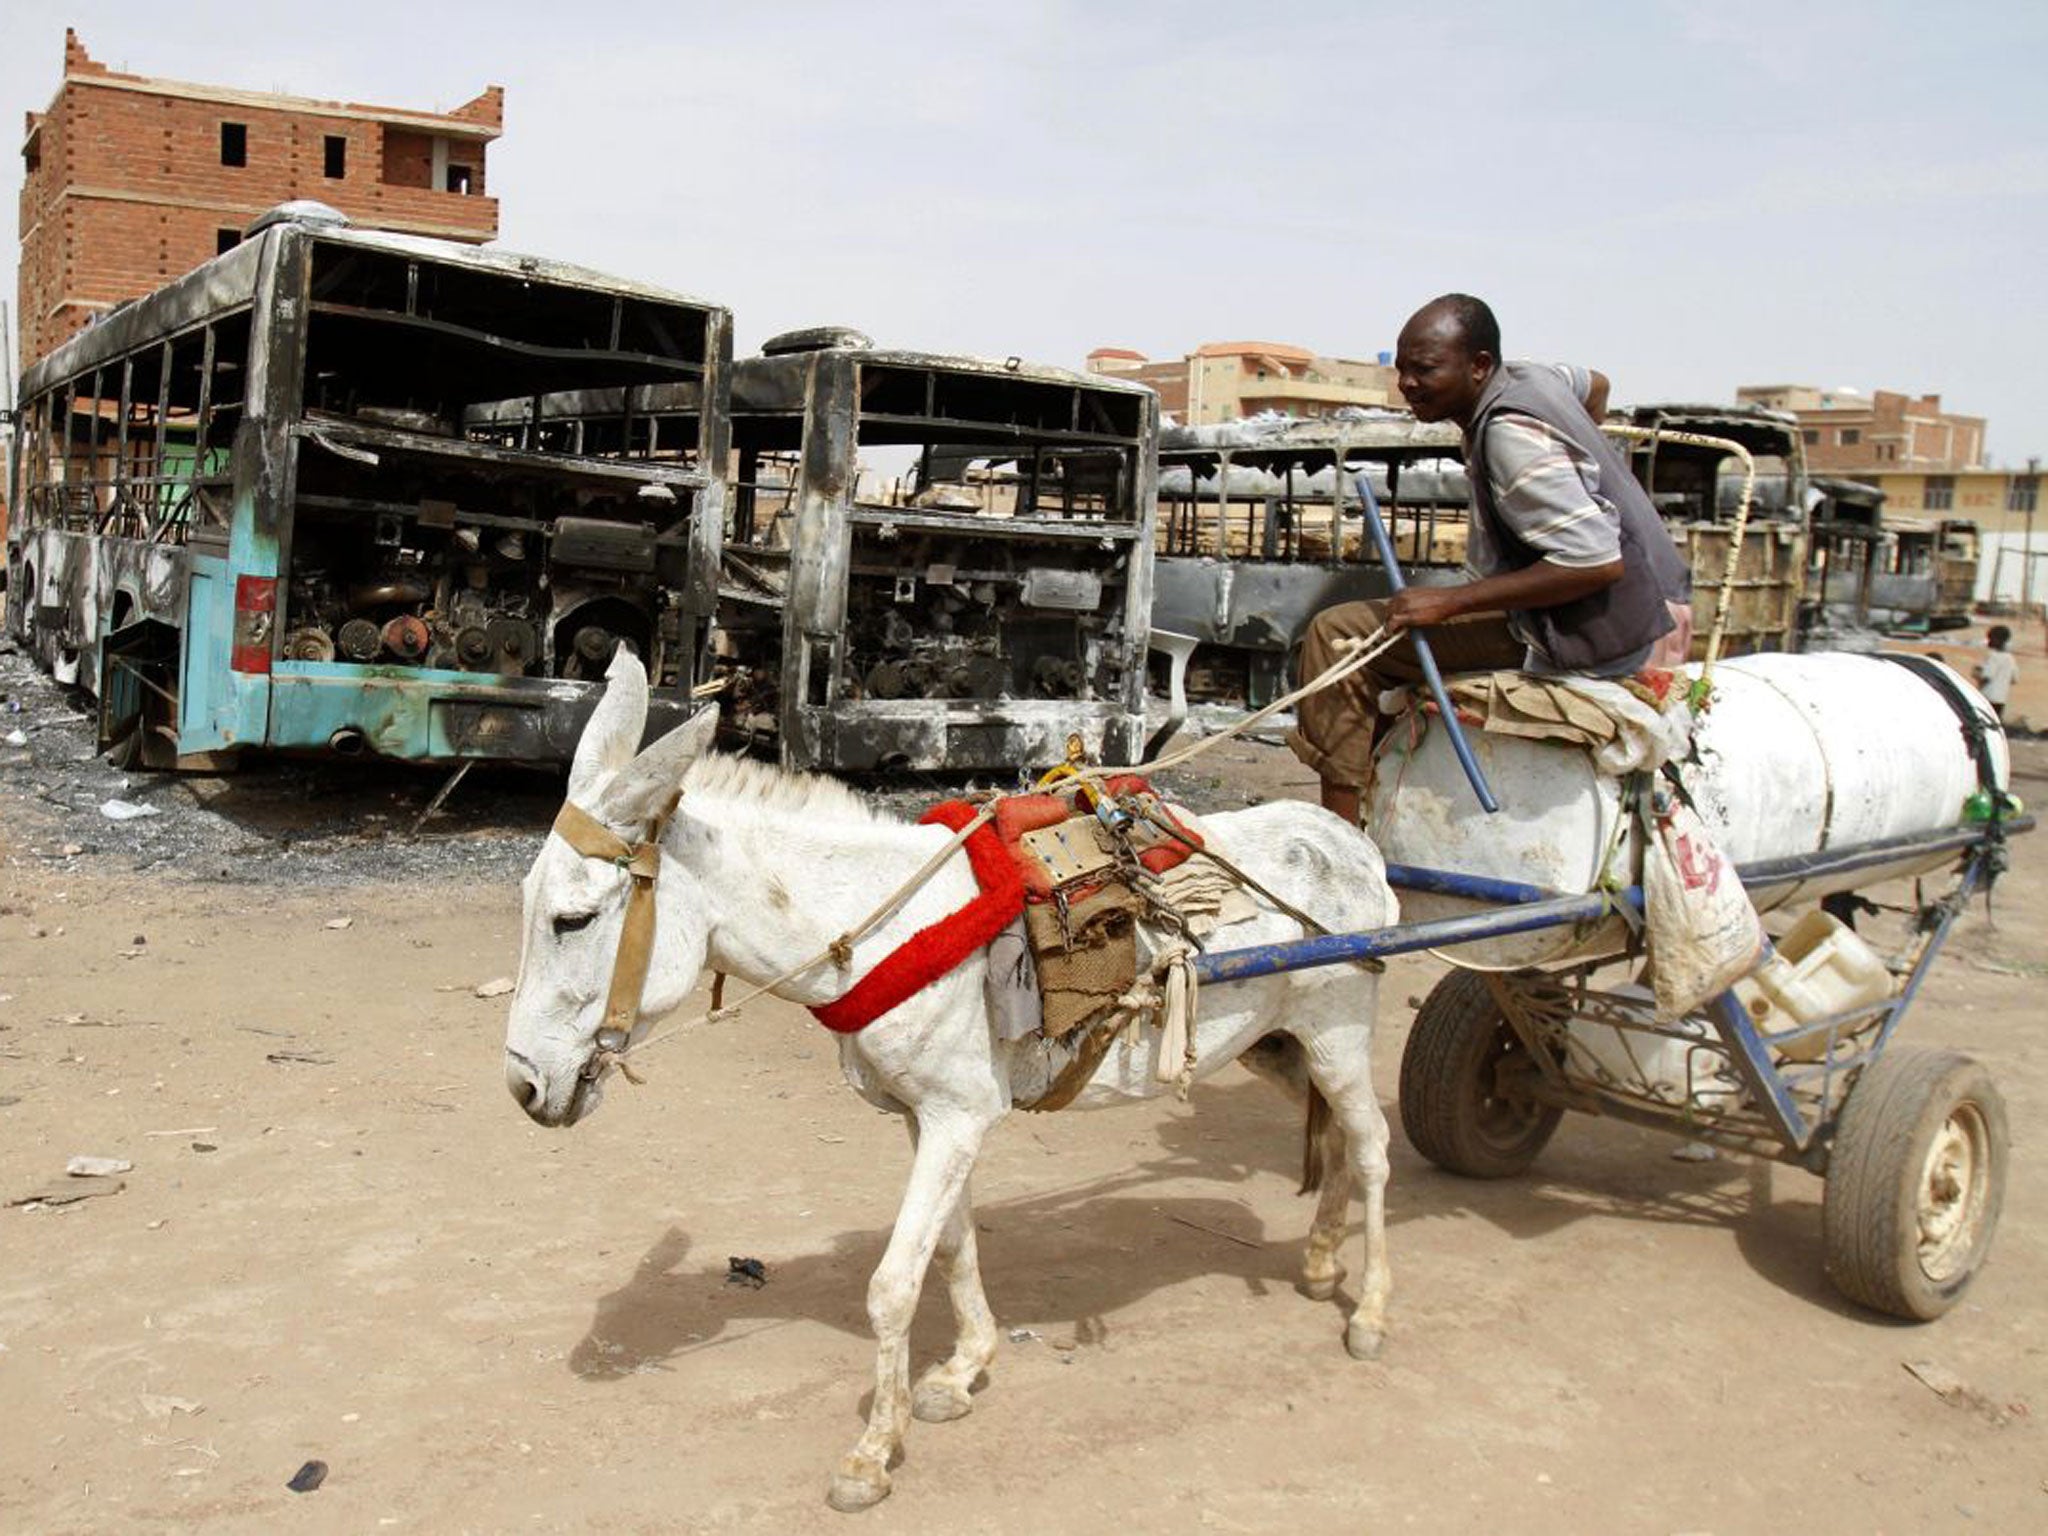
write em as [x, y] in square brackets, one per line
[758, 869]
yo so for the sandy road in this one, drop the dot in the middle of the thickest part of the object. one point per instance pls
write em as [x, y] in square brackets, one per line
[341, 1241]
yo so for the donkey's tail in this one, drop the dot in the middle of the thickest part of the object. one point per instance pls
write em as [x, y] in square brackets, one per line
[1317, 1122]
[1280, 1059]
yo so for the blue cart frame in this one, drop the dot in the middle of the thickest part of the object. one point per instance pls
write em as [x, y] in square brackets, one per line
[1915, 1149]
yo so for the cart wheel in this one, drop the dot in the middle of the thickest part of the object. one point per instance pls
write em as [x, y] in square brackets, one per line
[1460, 1106]
[1915, 1180]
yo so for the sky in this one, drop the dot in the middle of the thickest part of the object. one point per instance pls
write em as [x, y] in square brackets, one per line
[1686, 195]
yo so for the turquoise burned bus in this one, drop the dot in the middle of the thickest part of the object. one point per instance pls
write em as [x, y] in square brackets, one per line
[274, 506]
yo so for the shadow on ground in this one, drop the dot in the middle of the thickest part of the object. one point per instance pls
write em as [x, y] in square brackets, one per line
[1066, 1261]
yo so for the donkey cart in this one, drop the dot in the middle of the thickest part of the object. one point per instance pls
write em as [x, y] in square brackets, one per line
[1912, 1141]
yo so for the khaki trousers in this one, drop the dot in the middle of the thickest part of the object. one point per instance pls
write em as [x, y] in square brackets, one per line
[1336, 728]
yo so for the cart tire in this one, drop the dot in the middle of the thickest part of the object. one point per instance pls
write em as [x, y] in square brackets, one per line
[1451, 1108]
[1915, 1180]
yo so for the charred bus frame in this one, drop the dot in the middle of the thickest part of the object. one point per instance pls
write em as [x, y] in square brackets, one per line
[283, 502]
[1682, 456]
[1929, 577]
[931, 562]
[1259, 531]
[1260, 528]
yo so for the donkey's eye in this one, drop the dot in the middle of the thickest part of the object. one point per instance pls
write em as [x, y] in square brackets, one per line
[573, 922]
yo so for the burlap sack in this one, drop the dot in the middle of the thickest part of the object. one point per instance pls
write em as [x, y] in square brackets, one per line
[1089, 960]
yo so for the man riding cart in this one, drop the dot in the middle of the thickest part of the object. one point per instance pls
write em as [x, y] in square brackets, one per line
[1574, 572]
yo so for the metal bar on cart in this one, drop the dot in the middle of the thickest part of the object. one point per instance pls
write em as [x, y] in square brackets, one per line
[1952, 908]
[1423, 654]
[1444, 882]
[1752, 1058]
[1758, 875]
[1772, 874]
[1406, 938]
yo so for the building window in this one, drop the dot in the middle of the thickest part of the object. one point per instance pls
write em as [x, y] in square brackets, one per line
[225, 240]
[337, 156]
[1941, 493]
[234, 143]
[1810, 437]
[458, 179]
[1851, 436]
[2021, 494]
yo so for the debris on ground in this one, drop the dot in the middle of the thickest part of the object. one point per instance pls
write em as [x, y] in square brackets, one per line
[302, 821]
[1957, 1393]
[68, 1191]
[86, 1166]
[308, 1477]
[158, 1406]
[339, 923]
[497, 986]
[747, 1272]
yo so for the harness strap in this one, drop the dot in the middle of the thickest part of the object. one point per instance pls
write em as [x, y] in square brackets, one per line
[1976, 726]
[934, 951]
[641, 862]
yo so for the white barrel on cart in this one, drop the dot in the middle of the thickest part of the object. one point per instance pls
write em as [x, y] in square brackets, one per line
[1797, 755]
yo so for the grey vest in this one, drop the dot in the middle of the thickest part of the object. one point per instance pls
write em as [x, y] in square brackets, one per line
[1620, 619]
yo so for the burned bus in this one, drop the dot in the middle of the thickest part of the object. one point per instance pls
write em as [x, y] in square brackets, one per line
[1260, 527]
[302, 498]
[930, 562]
[1698, 462]
[1928, 579]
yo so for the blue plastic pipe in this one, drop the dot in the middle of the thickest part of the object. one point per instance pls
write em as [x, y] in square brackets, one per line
[1423, 654]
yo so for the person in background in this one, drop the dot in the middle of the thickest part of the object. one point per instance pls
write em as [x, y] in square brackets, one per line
[1997, 672]
[1573, 572]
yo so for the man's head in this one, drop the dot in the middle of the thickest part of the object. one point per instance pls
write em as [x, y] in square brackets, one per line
[1997, 636]
[1447, 352]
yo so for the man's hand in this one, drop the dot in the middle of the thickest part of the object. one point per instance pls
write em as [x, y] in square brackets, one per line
[1542, 585]
[1420, 607]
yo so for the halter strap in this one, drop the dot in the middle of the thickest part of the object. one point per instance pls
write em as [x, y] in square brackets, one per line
[641, 862]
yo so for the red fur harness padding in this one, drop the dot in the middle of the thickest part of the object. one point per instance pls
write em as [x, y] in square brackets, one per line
[931, 952]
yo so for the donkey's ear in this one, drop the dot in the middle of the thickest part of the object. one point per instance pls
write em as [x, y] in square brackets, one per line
[613, 734]
[646, 784]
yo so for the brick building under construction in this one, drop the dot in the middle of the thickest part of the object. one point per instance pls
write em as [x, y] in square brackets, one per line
[130, 181]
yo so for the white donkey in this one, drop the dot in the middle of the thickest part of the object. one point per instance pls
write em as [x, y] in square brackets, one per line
[759, 869]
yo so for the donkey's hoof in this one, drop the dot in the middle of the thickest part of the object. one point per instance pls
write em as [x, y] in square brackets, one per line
[938, 1402]
[1321, 1287]
[1363, 1341]
[858, 1484]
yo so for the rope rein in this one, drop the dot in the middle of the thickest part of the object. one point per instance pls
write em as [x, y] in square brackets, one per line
[617, 1043]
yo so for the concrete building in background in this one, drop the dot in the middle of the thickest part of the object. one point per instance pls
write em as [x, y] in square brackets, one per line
[1228, 380]
[130, 181]
[1849, 432]
[1996, 500]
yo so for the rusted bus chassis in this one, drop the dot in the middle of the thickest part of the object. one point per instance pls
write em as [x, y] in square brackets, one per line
[278, 503]
[932, 562]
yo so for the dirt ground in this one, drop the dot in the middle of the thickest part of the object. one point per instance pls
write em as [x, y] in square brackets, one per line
[341, 1241]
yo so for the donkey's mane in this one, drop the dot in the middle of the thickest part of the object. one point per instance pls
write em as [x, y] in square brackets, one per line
[729, 776]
